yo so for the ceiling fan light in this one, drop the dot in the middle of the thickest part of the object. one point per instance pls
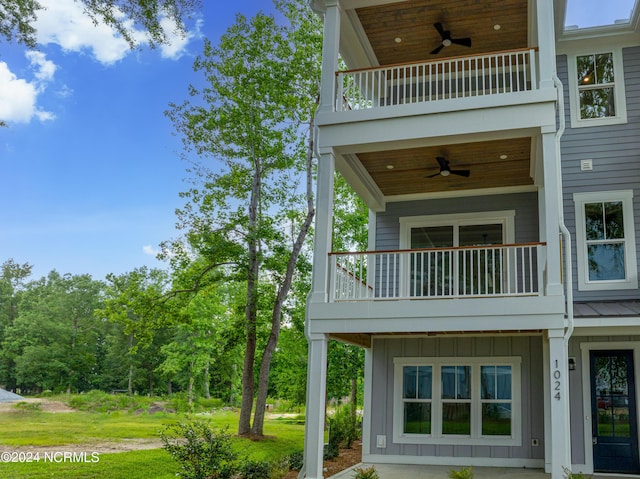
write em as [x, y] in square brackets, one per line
[445, 172]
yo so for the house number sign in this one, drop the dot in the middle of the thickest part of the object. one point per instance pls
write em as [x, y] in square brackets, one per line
[556, 382]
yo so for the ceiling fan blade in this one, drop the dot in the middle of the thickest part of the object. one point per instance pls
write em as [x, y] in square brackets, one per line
[433, 176]
[437, 50]
[461, 172]
[438, 26]
[442, 161]
[466, 42]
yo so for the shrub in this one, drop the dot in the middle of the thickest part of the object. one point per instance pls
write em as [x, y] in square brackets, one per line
[464, 473]
[202, 451]
[25, 406]
[254, 470]
[296, 460]
[344, 428]
[365, 473]
[573, 475]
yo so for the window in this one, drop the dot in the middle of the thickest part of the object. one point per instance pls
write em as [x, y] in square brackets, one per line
[605, 240]
[596, 89]
[457, 401]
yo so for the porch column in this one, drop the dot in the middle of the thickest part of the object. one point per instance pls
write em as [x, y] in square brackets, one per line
[316, 392]
[330, 51]
[323, 234]
[557, 405]
[546, 42]
[550, 212]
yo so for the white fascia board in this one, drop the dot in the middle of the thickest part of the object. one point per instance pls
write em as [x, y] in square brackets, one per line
[357, 176]
[355, 136]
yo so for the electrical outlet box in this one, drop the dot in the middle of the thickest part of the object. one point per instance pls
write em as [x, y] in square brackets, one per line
[535, 442]
[381, 442]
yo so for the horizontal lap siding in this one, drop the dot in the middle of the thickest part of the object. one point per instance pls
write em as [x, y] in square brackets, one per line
[615, 151]
[524, 204]
[529, 348]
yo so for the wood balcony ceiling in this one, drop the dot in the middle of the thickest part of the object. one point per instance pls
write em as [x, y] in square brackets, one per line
[492, 164]
[412, 23]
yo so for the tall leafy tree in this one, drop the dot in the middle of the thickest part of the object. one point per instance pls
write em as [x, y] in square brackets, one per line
[249, 119]
[54, 340]
[17, 17]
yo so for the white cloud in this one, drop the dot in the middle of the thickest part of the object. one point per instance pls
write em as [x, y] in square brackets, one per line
[18, 97]
[177, 45]
[64, 22]
[150, 250]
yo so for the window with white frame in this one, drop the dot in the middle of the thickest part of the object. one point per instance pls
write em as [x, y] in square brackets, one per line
[605, 240]
[596, 89]
[457, 401]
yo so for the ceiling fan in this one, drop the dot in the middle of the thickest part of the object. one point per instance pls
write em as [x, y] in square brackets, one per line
[447, 40]
[445, 170]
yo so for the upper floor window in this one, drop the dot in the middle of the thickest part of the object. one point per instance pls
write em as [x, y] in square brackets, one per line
[605, 240]
[596, 89]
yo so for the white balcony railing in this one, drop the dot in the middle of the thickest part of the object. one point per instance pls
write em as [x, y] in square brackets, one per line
[438, 273]
[459, 77]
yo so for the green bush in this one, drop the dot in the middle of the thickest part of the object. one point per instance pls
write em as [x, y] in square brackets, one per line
[296, 460]
[254, 470]
[365, 473]
[100, 401]
[573, 475]
[344, 428]
[464, 473]
[25, 406]
[203, 452]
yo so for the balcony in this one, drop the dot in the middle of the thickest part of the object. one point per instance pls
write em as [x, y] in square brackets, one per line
[495, 73]
[438, 273]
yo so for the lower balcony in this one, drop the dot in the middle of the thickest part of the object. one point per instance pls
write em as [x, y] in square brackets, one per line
[438, 273]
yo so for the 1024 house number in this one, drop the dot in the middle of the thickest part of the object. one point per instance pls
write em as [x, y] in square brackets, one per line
[556, 382]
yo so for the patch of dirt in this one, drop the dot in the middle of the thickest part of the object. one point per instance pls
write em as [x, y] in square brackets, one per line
[124, 445]
[46, 405]
[346, 459]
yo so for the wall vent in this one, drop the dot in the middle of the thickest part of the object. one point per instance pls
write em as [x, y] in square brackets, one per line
[586, 165]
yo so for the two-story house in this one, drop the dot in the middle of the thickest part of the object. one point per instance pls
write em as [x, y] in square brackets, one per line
[498, 151]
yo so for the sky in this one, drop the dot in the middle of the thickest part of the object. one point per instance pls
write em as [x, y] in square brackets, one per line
[594, 13]
[90, 168]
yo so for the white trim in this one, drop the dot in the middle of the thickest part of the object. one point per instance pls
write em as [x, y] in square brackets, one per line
[619, 91]
[586, 349]
[506, 218]
[453, 461]
[631, 269]
[367, 399]
[475, 438]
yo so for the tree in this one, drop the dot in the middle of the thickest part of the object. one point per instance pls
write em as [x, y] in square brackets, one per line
[18, 16]
[54, 339]
[262, 87]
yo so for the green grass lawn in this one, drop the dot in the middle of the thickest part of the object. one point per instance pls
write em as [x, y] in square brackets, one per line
[82, 429]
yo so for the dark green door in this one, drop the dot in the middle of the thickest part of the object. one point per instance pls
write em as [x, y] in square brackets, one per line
[613, 405]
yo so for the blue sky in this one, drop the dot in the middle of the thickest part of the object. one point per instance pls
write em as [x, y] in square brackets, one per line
[90, 170]
[593, 13]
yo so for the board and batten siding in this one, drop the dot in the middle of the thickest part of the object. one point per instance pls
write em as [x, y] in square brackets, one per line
[615, 152]
[529, 348]
[524, 204]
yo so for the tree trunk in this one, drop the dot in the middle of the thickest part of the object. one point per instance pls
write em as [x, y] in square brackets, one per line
[207, 379]
[130, 384]
[251, 310]
[190, 388]
[169, 391]
[283, 291]
[354, 397]
[150, 370]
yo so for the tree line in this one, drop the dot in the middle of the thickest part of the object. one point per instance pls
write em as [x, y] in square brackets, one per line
[226, 318]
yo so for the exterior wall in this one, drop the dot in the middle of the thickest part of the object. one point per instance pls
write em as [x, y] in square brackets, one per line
[524, 204]
[529, 348]
[576, 389]
[615, 151]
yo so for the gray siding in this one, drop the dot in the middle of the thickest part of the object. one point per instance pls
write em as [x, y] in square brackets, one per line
[529, 348]
[615, 151]
[524, 204]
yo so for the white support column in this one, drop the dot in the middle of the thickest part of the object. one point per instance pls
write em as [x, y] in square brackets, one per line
[558, 405]
[323, 228]
[330, 52]
[316, 392]
[550, 215]
[546, 42]
[367, 401]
